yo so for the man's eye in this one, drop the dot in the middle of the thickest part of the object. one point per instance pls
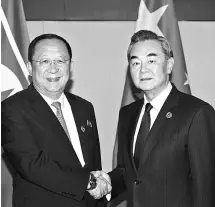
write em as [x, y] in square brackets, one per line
[151, 61]
[59, 62]
[45, 61]
[135, 63]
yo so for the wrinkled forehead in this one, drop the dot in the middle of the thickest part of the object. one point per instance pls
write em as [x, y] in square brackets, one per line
[51, 46]
[146, 48]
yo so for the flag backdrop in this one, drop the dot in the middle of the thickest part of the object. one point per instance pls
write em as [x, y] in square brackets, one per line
[111, 10]
[159, 17]
[14, 74]
[14, 44]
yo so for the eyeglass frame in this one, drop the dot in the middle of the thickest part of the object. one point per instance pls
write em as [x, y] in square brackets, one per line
[53, 61]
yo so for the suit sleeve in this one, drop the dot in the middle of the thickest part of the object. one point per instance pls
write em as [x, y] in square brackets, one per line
[201, 144]
[97, 154]
[35, 165]
[117, 175]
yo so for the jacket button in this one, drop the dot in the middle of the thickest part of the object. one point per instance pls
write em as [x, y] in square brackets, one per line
[72, 195]
[137, 182]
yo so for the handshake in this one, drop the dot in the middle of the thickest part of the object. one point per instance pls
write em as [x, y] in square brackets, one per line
[102, 185]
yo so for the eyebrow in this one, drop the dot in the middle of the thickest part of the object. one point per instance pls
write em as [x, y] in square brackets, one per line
[149, 55]
[134, 57]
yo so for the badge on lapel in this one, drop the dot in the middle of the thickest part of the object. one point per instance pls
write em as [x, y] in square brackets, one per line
[168, 115]
[82, 129]
[89, 123]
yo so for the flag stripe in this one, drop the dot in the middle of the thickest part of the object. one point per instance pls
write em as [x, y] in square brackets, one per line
[169, 27]
[14, 74]
[13, 44]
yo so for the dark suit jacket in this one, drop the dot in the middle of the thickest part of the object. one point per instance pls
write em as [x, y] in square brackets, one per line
[48, 171]
[177, 162]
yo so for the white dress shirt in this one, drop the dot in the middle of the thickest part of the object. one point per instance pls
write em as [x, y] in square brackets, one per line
[157, 104]
[70, 123]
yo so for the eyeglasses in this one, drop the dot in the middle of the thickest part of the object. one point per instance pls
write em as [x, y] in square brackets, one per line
[45, 63]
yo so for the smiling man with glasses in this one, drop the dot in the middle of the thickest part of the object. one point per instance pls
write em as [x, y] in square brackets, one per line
[50, 136]
[50, 66]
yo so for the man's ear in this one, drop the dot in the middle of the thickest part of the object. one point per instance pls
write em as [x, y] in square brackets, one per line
[71, 67]
[29, 67]
[170, 64]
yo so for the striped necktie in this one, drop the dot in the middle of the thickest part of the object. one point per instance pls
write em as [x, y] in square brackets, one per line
[60, 117]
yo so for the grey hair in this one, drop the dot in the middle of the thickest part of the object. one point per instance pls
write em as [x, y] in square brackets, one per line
[144, 35]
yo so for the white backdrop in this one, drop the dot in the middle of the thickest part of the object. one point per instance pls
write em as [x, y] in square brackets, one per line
[99, 51]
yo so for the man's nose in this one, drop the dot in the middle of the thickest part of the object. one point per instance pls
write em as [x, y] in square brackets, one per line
[143, 66]
[53, 68]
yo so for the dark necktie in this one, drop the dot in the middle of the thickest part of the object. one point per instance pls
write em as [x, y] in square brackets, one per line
[60, 117]
[142, 134]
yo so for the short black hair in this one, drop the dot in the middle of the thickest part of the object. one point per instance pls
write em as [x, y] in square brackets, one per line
[144, 35]
[32, 45]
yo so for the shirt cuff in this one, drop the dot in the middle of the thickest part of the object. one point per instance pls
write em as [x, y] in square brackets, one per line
[108, 197]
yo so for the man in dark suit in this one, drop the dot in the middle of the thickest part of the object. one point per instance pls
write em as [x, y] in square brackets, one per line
[171, 162]
[50, 136]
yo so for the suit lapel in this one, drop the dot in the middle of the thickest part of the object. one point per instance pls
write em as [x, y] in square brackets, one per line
[44, 112]
[81, 123]
[47, 118]
[161, 124]
[135, 114]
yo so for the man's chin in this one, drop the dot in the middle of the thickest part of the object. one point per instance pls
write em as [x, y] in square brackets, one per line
[145, 87]
[55, 90]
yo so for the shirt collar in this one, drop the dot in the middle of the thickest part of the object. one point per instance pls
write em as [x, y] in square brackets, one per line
[49, 101]
[159, 100]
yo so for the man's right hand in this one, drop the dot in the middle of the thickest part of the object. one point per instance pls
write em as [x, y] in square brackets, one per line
[103, 185]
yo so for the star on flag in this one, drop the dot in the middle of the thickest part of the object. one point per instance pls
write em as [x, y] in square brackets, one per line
[149, 21]
[187, 81]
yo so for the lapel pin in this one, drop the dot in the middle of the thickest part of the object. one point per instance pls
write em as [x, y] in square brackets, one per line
[168, 115]
[89, 123]
[82, 129]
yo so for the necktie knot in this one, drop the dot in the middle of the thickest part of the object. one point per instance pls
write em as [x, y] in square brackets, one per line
[148, 107]
[57, 105]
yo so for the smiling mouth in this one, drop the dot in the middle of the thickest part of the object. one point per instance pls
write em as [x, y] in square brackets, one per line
[145, 79]
[53, 79]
